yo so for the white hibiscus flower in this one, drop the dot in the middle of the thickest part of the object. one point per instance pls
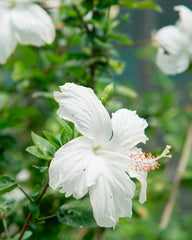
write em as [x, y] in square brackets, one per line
[174, 43]
[101, 161]
[24, 22]
[173, 56]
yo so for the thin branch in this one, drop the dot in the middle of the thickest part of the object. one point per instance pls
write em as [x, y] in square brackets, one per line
[140, 42]
[45, 218]
[177, 180]
[5, 227]
[23, 191]
[26, 224]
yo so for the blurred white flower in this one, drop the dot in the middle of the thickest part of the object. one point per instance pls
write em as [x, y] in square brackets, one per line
[23, 175]
[174, 43]
[104, 158]
[173, 56]
[15, 194]
[52, 3]
[114, 11]
[24, 22]
[54, 9]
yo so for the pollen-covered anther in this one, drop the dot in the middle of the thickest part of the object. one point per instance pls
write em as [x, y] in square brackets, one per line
[146, 161]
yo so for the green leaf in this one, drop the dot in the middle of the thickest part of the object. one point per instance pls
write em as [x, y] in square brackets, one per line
[52, 139]
[41, 169]
[117, 66]
[78, 214]
[45, 146]
[101, 43]
[63, 137]
[20, 113]
[140, 4]
[7, 184]
[20, 71]
[125, 91]
[7, 124]
[34, 150]
[121, 37]
[26, 235]
[106, 93]
[65, 125]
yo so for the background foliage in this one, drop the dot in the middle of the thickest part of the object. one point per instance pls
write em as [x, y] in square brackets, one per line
[87, 51]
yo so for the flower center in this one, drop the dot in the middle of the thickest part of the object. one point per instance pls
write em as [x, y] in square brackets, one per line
[95, 149]
[12, 3]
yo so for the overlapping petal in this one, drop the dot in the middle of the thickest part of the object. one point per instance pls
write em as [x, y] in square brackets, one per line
[7, 33]
[185, 19]
[115, 191]
[171, 39]
[81, 106]
[75, 167]
[142, 177]
[172, 64]
[128, 130]
[32, 25]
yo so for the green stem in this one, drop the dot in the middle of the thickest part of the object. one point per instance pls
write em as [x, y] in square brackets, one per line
[26, 224]
[5, 226]
[45, 218]
[22, 190]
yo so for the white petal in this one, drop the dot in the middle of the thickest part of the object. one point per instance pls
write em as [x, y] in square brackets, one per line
[7, 39]
[172, 56]
[33, 25]
[111, 197]
[171, 39]
[81, 106]
[171, 64]
[185, 22]
[142, 177]
[71, 166]
[101, 197]
[123, 190]
[128, 130]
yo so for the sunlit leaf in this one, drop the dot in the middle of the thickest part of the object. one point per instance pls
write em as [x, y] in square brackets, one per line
[65, 125]
[52, 139]
[34, 150]
[43, 144]
[125, 91]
